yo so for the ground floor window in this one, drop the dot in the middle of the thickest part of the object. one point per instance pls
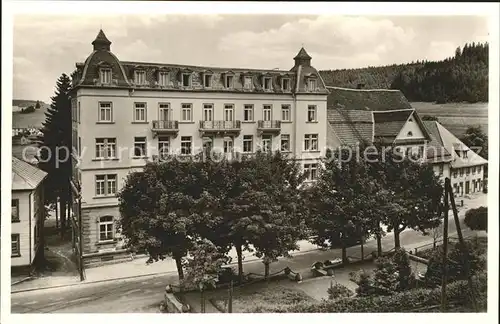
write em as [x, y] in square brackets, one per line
[15, 245]
[106, 224]
[311, 170]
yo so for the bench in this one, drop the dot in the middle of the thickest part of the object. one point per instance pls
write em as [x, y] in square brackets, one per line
[321, 272]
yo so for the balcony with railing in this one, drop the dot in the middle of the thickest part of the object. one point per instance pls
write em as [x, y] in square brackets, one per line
[165, 127]
[220, 127]
[269, 126]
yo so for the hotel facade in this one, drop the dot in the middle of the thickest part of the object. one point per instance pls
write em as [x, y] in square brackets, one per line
[127, 113]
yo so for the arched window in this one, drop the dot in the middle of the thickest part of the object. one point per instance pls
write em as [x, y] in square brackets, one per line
[410, 134]
[106, 228]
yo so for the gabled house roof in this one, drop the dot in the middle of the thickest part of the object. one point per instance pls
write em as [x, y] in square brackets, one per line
[451, 143]
[388, 124]
[366, 99]
[25, 176]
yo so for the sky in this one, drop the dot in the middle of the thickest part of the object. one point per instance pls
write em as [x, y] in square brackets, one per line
[45, 46]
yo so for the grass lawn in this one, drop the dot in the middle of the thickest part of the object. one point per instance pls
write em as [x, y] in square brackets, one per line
[245, 299]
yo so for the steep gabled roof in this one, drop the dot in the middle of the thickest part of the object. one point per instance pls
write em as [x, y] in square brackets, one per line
[388, 124]
[364, 99]
[351, 126]
[25, 176]
[436, 152]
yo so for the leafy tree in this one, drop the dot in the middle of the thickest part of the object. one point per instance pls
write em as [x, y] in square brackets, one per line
[477, 219]
[275, 207]
[412, 193]
[156, 209]
[56, 148]
[203, 267]
[405, 276]
[342, 202]
[475, 138]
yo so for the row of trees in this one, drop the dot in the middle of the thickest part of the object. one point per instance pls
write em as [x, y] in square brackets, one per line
[261, 204]
[463, 77]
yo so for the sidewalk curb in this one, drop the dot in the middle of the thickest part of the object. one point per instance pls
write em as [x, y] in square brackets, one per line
[21, 280]
[133, 277]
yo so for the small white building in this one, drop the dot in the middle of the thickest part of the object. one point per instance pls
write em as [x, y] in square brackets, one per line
[27, 212]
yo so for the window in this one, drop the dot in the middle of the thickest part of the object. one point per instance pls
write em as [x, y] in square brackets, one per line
[105, 76]
[164, 111]
[467, 171]
[208, 112]
[15, 210]
[228, 112]
[15, 245]
[311, 142]
[140, 77]
[285, 84]
[163, 146]
[473, 170]
[247, 82]
[186, 80]
[186, 145]
[186, 112]
[139, 112]
[229, 81]
[465, 154]
[311, 170]
[462, 172]
[285, 142]
[105, 185]
[409, 152]
[268, 114]
[163, 79]
[455, 173]
[410, 134]
[78, 113]
[311, 113]
[140, 147]
[247, 143]
[79, 145]
[311, 84]
[441, 170]
[105, 112]
[285, 113]
[410, 120]
[267, 141]
[248, 113]
[106, 225]
[207, 80]
[228, 145]
[105, 148]
[267, 83]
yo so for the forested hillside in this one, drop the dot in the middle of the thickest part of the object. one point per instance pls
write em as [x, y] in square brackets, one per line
[463, 77]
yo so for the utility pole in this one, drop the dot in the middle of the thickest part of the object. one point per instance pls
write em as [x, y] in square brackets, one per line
[445, 249]
[462, 244]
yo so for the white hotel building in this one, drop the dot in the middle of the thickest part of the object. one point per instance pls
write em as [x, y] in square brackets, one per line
[126, 113]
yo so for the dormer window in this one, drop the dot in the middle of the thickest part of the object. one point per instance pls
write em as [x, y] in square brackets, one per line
[247, 82]
[140, 77]
[105, 76]
[266, 82]
[229, 81]
[163, 79]
[285, 84]
[207, 80]
[186, 80]
[311, 84]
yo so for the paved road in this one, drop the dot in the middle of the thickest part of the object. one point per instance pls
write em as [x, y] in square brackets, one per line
[143, 295]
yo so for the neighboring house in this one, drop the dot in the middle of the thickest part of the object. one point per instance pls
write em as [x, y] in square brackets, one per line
[385, 117]
[467, 167]
[27, 212]
[155, 109]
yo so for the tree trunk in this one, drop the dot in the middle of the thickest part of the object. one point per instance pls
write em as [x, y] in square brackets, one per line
[62, 205]
[202, 301]
[178, 263]
[379, 245]
[344, 255]
[57, 215]
[362, 249]
[397, 242]
[239, 253]
[266, 269]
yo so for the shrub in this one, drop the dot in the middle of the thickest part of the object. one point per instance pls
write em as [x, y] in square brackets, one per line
[337, 290]
[385, 277]
[405, 275]
[477, 219]
[407, 301]
[364, 282]
[28, 110]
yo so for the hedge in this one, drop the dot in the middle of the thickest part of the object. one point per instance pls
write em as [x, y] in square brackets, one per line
[408, 301]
